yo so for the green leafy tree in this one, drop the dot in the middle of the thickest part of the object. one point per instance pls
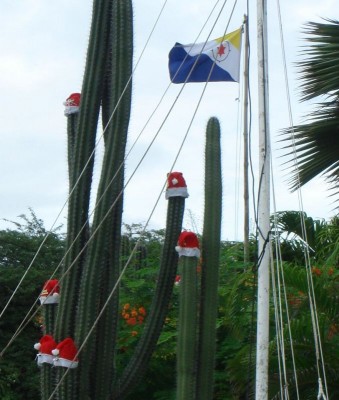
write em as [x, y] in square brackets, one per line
[19, 379]
[19, 246]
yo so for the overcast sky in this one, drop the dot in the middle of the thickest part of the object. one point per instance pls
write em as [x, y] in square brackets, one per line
[42, 55]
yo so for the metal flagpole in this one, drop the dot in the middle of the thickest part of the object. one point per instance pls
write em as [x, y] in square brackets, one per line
[245, 135]
[263, 208]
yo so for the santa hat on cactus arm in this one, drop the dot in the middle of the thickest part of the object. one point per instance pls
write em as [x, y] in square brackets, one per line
[50, 292]
[45, 347]
[65, 354]
[176, 185]
[188, 244]
[72, 104]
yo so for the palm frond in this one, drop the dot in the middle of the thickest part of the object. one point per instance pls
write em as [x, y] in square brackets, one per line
[315, 146]
[319, 71]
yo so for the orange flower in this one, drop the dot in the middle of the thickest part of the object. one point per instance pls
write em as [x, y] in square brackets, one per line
[316, 271]
[134, 313]
[334, 329]
[134, 333]
[126, 316]
[131, 321]
[126, 306]
[142, 311]
[140, 319]
[331, 271]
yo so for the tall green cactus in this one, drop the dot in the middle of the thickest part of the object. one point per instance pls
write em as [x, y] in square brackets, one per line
[210, 262]
[81, 167]
[137, 365]
[47, 373]
[188, 249]
[102, 265]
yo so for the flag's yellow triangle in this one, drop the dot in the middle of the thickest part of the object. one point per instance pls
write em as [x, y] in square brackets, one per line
[234, 38]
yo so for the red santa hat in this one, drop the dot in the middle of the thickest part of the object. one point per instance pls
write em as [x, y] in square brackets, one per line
[72, 104]
[176, 185]
[65, 354]
[50, 293]
[188, 244]
[45, 347]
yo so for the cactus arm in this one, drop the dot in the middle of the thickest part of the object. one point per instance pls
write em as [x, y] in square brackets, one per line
[187, 328]
[72, 124]
[47, 373]
[210, 262]
[83, 148]
[158, 311]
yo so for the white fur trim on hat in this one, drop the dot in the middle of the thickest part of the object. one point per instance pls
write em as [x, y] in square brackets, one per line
[188, 251]
[44, 358]
[63, 362]
[52, 299]
[176, 192]
[71, 110]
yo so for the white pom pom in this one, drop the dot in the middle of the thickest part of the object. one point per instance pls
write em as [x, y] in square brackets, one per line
[55, 352]
[37, 346]
[56, 294]
[177, 248]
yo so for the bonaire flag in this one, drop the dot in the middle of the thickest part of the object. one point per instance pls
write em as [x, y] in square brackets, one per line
[213, 61]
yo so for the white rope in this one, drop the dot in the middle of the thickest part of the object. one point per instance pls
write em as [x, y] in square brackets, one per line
[321, 394]
[313, 309]
[283, 297]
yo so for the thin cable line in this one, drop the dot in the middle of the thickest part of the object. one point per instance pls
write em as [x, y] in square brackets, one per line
[313, 307]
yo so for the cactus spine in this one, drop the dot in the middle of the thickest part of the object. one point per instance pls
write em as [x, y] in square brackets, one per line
[210, 262]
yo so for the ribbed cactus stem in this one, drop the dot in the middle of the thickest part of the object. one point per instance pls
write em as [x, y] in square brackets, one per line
[72, 125]
[47, 373]
[49, 317]
[159, 308]
[102, 265]
[210, 262]
[187, 322]
[47, 377]
[49, 299]
[82, 165]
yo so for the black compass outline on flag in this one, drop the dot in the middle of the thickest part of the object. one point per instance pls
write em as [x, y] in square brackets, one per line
[222, 52]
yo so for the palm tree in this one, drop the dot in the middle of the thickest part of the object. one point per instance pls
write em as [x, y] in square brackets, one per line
[316, 143]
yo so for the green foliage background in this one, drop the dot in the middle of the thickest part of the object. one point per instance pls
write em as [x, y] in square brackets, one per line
[234, 372]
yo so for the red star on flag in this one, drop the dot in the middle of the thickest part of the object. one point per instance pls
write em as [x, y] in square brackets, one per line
[221, 50]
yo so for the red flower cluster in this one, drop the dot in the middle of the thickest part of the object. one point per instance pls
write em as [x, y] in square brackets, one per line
[133, 315]
[316, 271]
